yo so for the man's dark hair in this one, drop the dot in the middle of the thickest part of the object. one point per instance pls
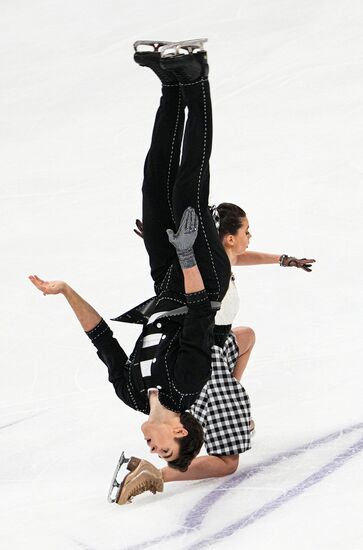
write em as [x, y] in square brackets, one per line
[190, 444]
[229, 218]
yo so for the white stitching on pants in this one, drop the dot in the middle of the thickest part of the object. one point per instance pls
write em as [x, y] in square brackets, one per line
[194, 83]
[170, 85]
[169, 298]
[168, 281]
[185, 84]
[161, 286]
[198, 194]
[171, 158]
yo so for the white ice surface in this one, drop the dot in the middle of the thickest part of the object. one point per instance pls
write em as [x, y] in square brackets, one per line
[76, 116]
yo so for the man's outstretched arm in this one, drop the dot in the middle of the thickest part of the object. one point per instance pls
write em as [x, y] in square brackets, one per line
[108, 348]
[86, 314]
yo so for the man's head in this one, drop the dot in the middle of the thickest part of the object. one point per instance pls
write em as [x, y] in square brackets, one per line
[178, 442]
[190, 445]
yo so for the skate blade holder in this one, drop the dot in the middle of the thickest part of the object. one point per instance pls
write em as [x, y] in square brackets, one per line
[150, 45]
[183, 48]
[115, 485]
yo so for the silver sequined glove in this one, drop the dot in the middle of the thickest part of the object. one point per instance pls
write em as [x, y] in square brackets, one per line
[184, 238]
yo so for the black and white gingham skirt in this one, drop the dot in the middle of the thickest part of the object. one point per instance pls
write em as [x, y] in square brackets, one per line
[223, 407]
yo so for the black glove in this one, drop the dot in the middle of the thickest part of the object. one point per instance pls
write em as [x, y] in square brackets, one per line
[290, 261]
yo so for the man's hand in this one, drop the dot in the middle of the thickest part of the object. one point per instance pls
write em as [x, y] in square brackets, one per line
[48, 287]
[140, 228]
[86, 315]
[290, 261]
[184, 238]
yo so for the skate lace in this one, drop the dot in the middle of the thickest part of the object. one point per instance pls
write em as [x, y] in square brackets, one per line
[147, 485]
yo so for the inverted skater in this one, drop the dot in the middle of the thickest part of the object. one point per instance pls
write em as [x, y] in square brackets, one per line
[223, 407]
[171, 361]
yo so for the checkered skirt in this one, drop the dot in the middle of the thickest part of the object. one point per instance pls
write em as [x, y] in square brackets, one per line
[223, 407]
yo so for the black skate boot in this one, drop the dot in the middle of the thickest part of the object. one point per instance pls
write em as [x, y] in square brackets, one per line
[151, 58]
[187, 60]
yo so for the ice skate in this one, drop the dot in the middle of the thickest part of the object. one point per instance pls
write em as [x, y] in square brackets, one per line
[146, 45]
[147, 54]
[115, 484]
[143, 477]
[185, 47]
[187, 60]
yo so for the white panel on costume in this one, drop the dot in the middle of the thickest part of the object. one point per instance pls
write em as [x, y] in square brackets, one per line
[145, 367]
[151, 340]
[229, 307]
[155, 316]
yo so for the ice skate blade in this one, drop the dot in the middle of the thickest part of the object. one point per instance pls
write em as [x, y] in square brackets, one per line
[155, 44]
[182, 48]
[114, 483]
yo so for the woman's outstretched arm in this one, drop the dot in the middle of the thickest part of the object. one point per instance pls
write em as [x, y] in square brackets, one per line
[203, 467]
[256, 258]
[262, 258]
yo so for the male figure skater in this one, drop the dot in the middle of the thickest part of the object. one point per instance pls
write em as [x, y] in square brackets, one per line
[171, 360]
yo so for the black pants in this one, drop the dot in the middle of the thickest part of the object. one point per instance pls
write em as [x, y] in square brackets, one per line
[172, 184]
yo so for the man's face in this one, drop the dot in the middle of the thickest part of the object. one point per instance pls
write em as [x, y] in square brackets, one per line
[160, 438]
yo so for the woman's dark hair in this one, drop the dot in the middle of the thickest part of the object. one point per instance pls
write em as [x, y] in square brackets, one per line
[230, 218]
[190, 444]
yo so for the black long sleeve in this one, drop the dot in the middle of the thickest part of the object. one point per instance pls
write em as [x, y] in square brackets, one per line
[112, 355]
[193, 363]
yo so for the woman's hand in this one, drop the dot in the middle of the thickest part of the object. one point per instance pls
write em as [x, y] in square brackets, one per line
[291, 261]
[48, 287]
[140, 228]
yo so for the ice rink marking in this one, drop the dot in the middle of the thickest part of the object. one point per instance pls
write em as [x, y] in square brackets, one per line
[196, 516]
